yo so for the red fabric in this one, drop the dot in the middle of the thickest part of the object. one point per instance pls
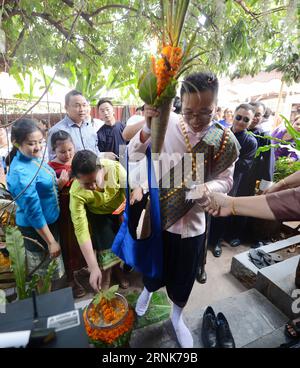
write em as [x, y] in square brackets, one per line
[72, 256]
[58, 168]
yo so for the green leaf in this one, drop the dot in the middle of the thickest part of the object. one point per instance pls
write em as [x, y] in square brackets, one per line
[46, 280]
[97, 298]
[265, 149]
[158, 311]
[16, 249]
[2, 299]
[32, 285]
[148, 88]
[110, 293]
[292, 131]
[284, 167]
[168, 93]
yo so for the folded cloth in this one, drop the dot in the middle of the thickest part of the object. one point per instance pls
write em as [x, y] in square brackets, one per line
[262, 259]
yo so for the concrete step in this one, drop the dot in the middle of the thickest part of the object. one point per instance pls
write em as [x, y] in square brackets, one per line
[246, 272]
[277, 283]
[251, 317]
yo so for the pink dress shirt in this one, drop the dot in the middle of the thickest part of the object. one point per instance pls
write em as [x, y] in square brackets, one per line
[193, 222]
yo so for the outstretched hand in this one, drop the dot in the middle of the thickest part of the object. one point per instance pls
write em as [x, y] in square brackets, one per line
[95, 279]
[219, 205]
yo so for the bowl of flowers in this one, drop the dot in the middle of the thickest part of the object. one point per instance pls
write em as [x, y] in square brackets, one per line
[108, 319]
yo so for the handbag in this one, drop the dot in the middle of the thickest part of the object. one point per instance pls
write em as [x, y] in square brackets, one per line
[145, 255]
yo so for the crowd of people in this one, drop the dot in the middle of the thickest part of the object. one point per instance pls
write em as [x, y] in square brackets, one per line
[69, 186]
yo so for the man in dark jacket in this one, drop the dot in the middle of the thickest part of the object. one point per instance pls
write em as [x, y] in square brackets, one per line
[232, 228]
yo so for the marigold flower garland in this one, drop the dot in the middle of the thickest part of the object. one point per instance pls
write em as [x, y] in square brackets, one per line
[109, 336]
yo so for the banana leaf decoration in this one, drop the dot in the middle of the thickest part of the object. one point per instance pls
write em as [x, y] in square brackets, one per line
[157, 86]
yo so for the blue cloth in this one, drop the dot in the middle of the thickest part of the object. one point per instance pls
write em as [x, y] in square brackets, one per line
[224, 123]
[84, 136]
[145, 255]
[38, 205]
[110, 138]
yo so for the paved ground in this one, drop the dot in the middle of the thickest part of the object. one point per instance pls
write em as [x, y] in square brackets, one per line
[220, 283]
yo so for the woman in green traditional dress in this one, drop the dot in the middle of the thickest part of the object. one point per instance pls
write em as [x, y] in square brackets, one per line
[99, 189]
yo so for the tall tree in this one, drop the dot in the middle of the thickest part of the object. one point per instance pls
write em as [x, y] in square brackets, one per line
[232, 37]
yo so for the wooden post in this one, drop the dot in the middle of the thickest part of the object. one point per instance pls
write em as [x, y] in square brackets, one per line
[278, 104]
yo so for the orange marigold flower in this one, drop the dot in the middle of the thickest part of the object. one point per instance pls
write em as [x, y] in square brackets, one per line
[108, 336]
[167, 66]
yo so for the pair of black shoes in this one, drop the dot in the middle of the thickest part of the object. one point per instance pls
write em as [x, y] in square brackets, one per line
[216, 331]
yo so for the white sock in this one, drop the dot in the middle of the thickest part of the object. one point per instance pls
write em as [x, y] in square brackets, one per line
[142, 303]
[183, 334]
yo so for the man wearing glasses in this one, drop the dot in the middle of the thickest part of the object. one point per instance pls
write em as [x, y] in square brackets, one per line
[182, 217]
[232, 228]
[76, 124]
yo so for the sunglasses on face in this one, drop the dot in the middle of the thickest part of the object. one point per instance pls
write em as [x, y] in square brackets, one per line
[245, 119]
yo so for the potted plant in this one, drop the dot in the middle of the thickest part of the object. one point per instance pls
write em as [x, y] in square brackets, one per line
[25, 284]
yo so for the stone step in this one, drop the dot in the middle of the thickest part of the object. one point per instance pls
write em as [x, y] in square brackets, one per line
[251, 317]
[277, 283]
[246, 272]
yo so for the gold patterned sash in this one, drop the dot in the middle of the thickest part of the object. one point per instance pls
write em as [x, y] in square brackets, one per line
[173, 203]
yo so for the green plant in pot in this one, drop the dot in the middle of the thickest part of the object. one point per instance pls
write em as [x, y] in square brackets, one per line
[284, 167]
[25, 284]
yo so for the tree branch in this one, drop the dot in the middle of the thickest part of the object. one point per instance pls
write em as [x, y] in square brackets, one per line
[275, 10]
[88, 42]
[56, 24]
[84, 15]
[242, 4]
[19, 41]
[112, 6]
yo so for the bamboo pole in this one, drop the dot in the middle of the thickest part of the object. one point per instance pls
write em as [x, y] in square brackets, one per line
[276, 118]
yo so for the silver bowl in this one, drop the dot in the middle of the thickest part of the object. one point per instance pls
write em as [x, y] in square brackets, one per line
[108, 326]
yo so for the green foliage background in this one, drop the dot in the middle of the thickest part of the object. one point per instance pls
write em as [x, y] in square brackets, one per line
[237, 38]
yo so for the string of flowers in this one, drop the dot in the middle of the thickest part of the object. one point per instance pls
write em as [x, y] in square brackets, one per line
[112, 336]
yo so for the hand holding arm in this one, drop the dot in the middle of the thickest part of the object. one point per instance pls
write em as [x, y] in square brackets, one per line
[291, 181]
[223, 205]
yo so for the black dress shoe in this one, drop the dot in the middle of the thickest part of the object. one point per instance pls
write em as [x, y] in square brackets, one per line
[258, 244]
[209, 329]
[224, 335]
[217, 251]
[235, 242]
[201, 276]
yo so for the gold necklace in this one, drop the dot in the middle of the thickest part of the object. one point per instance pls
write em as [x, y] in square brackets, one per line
[223, 143]
[189, 147]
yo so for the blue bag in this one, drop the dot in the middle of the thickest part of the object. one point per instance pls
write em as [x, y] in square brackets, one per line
[145, 255]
